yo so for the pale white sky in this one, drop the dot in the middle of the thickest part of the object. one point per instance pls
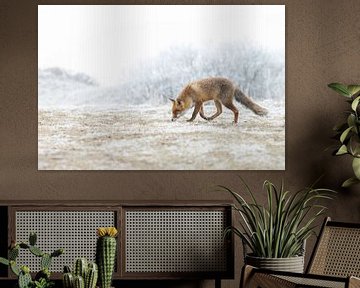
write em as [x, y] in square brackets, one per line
[106, 41]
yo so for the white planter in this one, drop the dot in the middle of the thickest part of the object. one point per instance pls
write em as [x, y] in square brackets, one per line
[291, 264]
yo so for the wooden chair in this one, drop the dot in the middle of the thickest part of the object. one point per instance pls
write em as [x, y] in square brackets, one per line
[334, 263]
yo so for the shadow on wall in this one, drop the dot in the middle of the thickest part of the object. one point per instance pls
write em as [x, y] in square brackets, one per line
[312, 160]
[318, 146]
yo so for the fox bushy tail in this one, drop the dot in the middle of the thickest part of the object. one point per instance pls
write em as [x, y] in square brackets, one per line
[249, 103]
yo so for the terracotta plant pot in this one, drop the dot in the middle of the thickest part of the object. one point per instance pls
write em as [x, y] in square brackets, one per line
[291, 264]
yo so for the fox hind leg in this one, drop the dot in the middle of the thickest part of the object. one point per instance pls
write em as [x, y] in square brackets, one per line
[218, 110]
[232, 107]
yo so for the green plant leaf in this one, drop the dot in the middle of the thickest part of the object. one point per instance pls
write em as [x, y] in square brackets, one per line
[356, 167]
[351, 181]
[355, 103]
[4, 261]
[345, 134]
[351, 120]
[354, 145]
[350, 148]
[353, 89]
[279, 228]
[342, 150]
[340, 88]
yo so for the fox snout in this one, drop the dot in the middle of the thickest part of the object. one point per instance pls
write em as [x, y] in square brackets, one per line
[177, 109]
[175, 117]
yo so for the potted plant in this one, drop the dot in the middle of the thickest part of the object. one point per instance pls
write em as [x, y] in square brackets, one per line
[84, 274]
[42, 278]
[106, 254]
[348, 132]
[276, 233]
[87, 274]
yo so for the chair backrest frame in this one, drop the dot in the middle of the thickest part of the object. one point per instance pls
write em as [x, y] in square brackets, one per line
[325, 245]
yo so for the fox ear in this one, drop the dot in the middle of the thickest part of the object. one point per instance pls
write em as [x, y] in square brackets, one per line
[172, 100]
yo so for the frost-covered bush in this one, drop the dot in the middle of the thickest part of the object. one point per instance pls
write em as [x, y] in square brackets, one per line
[259, 73]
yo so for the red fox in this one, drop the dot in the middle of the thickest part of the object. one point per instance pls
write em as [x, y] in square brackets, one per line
[221, 90]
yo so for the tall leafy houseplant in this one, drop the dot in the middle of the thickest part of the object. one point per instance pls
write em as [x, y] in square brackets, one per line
[348, 132]
[279, 228]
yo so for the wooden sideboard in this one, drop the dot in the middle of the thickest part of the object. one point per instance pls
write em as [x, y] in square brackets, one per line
[157, 240]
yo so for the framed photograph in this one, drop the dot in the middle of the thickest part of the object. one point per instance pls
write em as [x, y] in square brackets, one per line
[161, 87]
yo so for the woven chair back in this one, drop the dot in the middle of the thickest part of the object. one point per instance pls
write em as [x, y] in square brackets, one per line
[337, 252]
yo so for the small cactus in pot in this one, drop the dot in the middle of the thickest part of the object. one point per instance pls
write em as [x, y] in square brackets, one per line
[106, 254]
[85, 275]
[79, 282]
[80, 267]
[91, 276]
[68, 278]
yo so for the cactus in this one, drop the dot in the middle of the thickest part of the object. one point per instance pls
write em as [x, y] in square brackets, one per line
[87, 272]
[105, 254]
[24, 245]
[80, 267]
[32, 238]
[25, 269]
[45, 261]
[13, 253]
[91, 276]
[67, 269]
[24, 278]
[14, 268]
[44, 273]
[79, 282]
[36, 251]
[68, 280]
[57, 253]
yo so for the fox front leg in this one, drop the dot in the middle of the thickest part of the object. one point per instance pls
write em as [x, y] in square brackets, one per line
[201, 112]
[196, 111]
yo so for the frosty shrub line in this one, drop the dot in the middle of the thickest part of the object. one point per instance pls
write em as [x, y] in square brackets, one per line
[259, 74]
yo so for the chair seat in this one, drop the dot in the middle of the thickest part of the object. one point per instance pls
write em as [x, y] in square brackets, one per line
[267, 279]
[315, 282]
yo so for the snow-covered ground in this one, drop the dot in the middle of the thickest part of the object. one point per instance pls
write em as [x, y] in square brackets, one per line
[144, 138]
[85, 126]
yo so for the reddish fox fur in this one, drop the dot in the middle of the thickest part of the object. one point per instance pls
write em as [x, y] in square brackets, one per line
[221, 90]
